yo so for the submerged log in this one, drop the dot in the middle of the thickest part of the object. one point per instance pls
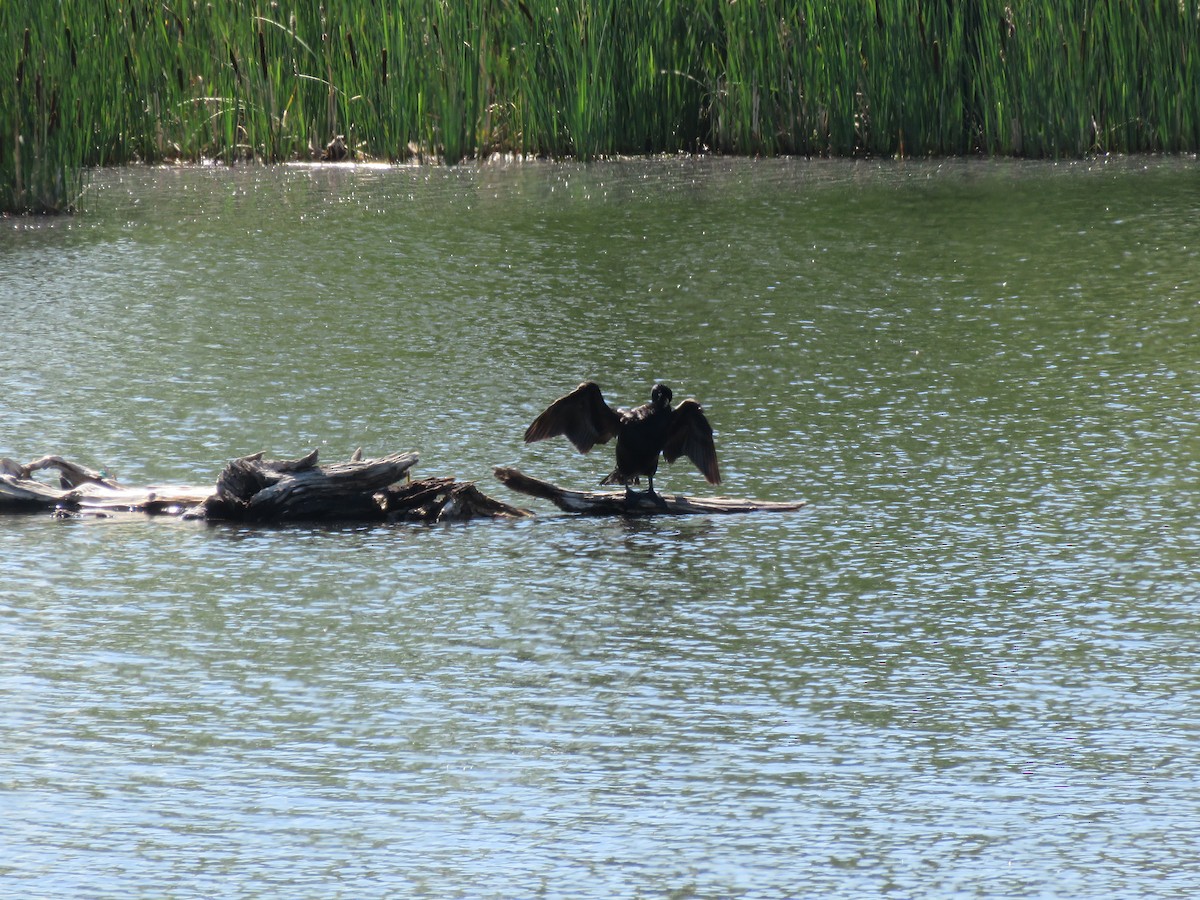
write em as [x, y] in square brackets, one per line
[620, 503]
[258, 490]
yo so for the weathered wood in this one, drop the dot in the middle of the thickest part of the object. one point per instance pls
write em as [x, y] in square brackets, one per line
[69, 474]
[620, 503]
[258, 490]
[254, 489]
[85, 490]
[443, 500]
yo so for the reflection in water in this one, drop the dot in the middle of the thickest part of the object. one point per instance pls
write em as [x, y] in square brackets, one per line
[965, 669]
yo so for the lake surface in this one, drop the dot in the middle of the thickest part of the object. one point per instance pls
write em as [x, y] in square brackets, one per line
[967, 669]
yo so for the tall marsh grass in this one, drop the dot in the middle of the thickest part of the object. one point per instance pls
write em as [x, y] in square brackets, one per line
[96, 82]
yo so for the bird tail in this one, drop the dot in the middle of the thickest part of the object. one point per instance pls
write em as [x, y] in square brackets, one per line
[616, 477]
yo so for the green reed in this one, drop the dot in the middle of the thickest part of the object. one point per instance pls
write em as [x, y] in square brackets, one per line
[97, 82]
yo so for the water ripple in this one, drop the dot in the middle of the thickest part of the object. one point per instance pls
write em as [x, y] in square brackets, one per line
[964, 670]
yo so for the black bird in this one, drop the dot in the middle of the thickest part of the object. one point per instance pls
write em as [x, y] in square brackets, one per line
[642, 434]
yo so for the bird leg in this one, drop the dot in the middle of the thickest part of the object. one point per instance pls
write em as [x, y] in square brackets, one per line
[630, 493]
[648, 495]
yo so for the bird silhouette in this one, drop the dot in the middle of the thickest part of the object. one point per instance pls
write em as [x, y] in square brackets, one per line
[642, 434]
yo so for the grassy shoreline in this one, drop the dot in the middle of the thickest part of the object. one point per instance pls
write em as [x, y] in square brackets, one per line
[101, 82]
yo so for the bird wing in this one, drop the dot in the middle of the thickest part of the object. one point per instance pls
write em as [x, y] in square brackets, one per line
[690, 435]
[582, 416]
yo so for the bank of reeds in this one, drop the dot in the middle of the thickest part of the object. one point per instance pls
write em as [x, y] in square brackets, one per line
[96, 82]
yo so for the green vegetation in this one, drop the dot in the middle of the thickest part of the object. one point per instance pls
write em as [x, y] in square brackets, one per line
[97, 82]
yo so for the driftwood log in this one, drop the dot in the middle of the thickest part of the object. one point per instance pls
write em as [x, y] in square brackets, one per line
[619, 503]
[83, 490]
[258, 490]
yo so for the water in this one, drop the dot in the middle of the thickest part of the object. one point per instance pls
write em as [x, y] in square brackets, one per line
[966, 669]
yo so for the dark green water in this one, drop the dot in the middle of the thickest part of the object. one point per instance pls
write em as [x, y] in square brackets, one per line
[967, 669]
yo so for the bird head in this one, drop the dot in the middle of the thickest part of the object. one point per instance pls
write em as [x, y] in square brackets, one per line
[661, 395]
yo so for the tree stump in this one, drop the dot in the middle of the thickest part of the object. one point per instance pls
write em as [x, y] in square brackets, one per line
[253, 489]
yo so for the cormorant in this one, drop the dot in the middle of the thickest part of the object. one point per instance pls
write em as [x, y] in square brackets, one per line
[642, 434]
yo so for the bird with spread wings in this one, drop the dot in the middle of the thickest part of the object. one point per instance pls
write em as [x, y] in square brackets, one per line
[643, 434]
